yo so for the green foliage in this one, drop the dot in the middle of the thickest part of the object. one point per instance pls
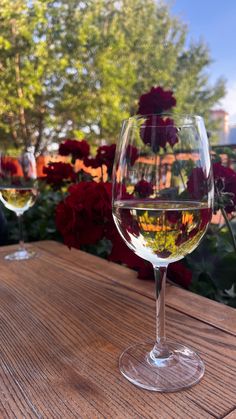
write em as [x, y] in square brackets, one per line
[182, 166]
[225, 271]
[213, 265]
[101, 249]
[39, 222]
[218, 151]
[78, 68]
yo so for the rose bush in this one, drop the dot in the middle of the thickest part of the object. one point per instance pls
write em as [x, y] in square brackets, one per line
[201, 271]
[57, 173]
[77, 149]
[85, 216]
[75, 208]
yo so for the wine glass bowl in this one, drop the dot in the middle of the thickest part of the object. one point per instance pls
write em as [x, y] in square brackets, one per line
[18, 191]
[162, 205]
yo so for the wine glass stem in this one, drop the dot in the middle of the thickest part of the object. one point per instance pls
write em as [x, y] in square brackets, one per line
[160, 349]
[21, 237]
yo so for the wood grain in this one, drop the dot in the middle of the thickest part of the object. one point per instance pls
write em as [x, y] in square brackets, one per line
[231, 415]
[196, 306]
[66, 317]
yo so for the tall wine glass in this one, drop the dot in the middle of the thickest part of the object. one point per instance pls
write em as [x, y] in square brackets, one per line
[18, 191]
[162, 204]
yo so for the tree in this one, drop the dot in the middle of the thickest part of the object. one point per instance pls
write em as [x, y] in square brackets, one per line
[78, 68]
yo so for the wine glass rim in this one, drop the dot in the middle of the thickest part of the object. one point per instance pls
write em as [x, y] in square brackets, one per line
[184, 119]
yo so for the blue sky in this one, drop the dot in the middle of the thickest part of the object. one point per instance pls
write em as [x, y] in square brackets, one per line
[214, 21]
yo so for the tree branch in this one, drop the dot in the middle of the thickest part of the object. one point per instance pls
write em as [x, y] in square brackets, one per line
[40, 127]
[22, 119]
[13, 129]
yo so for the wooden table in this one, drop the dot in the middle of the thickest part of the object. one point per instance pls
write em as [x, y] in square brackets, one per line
[65, 318]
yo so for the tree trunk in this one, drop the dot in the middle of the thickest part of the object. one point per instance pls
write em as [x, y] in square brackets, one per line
[22, 119]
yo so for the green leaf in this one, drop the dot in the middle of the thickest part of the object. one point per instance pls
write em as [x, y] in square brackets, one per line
[202, 284]
[224, 274]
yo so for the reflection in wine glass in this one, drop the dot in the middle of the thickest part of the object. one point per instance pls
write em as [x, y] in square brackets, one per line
[18, 191]
[162, 221]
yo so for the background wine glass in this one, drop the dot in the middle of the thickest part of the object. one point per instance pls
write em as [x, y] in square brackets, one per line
[162, 204]
[18, 191]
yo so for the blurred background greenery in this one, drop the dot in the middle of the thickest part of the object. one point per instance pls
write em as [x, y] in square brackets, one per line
[77, 68]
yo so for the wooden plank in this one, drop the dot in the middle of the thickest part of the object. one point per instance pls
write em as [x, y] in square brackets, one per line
[231, 415]
[194, 305]
[62, 330]
[212, 312]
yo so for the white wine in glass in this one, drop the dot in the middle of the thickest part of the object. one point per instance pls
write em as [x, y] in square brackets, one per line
[162, 205]
[18, 191]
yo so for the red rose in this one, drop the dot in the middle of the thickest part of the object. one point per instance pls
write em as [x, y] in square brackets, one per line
[227, 177]
[221, 171]
[7, 167]
[156, 101]
[157, 132]
[173, 217]
[197, 183]
[77, 149]
[120, 252]
[178, 273]
[143, 188]
[66, 223]
[146, 270]
[206, 214]
[83, 216]
[106, 155]
[57, 173]
[92, 162]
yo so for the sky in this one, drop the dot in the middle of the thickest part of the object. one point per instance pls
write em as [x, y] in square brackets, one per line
[214, 21]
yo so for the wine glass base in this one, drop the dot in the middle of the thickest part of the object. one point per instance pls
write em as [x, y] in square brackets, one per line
[21, 254]
[182, 369]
